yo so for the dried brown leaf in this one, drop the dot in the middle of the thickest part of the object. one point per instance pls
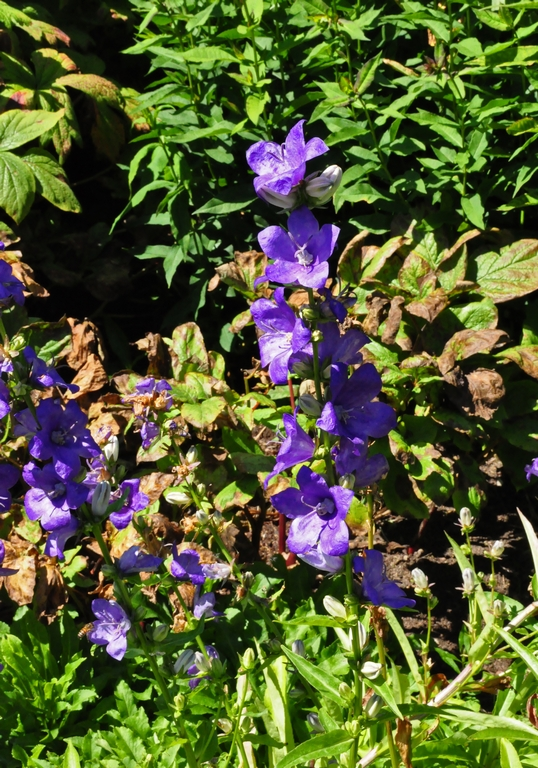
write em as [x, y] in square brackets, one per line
[155, 483]
[25, 274]
[404, 730]
[394, 318]
[91, 377]
[466, 343]
[429, 307]
[157, 353]
[85, 341]
[51, 594]
[20, 587]
[376, 308]
[525, 357]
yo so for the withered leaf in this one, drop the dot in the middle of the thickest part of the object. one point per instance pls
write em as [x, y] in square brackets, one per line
[85, 341]
[376, 307]
[349, 263]
[20, 587]
[525, 357]
[157, 353]
[466, 343]
[374, 259]
[51, 594]
[531, 710]
[430, 306]
[155, 483]
[91, 377]
[394, 318]
[25, 274]
[404, 730]
[486, 389]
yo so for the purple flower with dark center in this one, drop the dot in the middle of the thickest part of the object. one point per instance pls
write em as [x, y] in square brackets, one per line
[201, 665]
[5, 571]
[110, 628]
[11, 287]
[159, 391]
[57, 538]
[50, 497]
[318, 514]
[135, 560]
[301, 254]
[322, 562]
[350, 412]
[376, 587]
[351, 457]
[283, 334]
[335, 348]
[148, 432]
[204, 605]
[296, 448]
[60, 434]
[42, 374]
[279, 167]
[336, 306]
[8, 477]
[135, 501]
[5, 405]
[186, 566]
[532, 469]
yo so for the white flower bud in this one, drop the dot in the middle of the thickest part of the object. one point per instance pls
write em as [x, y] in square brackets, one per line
[287, 202]
[100, 498]
[322, 187]
[363, 636]
[420, 579]
[497, 548]
[160, 632]
[373, 705]
[498, 609]
[334, 607]
[371, 669]
[242, 687]
[309, 405]
[345, 692]
[469, 581]
[345, 637]
[203, 664]
[249, 659]
[347, 481]
[178, 498]
[225, 725]
[184, 661]
[466, 519]
[314, 723]
[298, 647]
[192, 455]
[201, 489]
[202, 516]
[111, 449]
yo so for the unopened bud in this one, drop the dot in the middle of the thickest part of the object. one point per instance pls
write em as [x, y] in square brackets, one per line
[466, 519]
[373, 705]
[317, 336]
[296, 693]
[498, 609]
[192, 455]
[248, 579]
[225, 725]
[497, 548]
[314, 722]
[469, 581]
[345, 692]
[371, 669]
[202, 516]
[100, 498]
[420, 579]
[249, 659]
[298, 647]
[111, 449]
[245, 724]
[184, 661]
[334, 607]
[242, 687]
[160, 633]
[347, 481]
[353, 727]
[321, 188]
[178, 498]
[179, 702]
[309, 405]
[203, 664]
[286, 202]
[139, 614]
[363, 636]
[308, 314]
[201, 489]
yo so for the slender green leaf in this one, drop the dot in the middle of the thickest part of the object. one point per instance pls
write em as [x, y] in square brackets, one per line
[530, 660]
[323, 682]
[405, 645]
[323, 745]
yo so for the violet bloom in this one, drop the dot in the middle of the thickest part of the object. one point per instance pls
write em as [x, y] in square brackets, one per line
[296, 448]
[350, 412]
[11, 287]
[201, 666]
[135, 560]
[5, 405]
[335, 348]
[316, 558]
[280, 167]
[135, 501]
[57, 538]
[110, 628]
[204, 605]
[283, 334]
[156, 390]
[317, 512]
[351, 457]
[532, 469]
[336, 307]
[8, 477]
[186, 566]
[300, 255]
[42, 374]
[60, 434]
[376, 587]
[51, 498]
[148, 432]
[5, 571]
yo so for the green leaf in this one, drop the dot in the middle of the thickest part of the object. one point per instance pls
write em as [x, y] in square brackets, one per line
[51, 181]
[201, 55]
[17, 186]
[202, 415]
[493, 19]
[478, 315]
[323, 745]
[366, 75]
[489, 726]
[525, 356]
[71, 758]
[254, 106]
[99, 88]
[405, 645]
[532, 538]
[188, 351]
[481, 598]
[523, 653]
[17, 128]
[322, 681]
[236, 494]
[525, 125]
[473, 209]
[509, 274]
[509, 756]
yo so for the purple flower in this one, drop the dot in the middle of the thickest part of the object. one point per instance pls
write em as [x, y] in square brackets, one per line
[110, 628]
[8, 477]
[301, 254]
[5, 571]
[317, 512]
[204, 605]
[148, 432]
[5, 405]
[134, 560]
[10, 286]
[350, 412]
[351, 457]
[57, 538]
[135, 501]
[281, 167]
[335, 348]
[336, 307]
[186, 566]
[60, 434]
[202, 665]
[50, 497]
[376, 587]
[283, 334]
[316, 558]
[532, 469]
[156, 389]
[42, 374]
[297, 447]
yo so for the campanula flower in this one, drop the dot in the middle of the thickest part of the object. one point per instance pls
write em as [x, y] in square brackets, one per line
[335, 348]
[296, 448]
[299, 255]
[11, 288]
[148, 432]
[280, 167]
[283, 334]
[532, 469]
[316, 558]
[157, 391]
[51, 498]
[376, 586]
[351, 458]
[5, 405]
[41, 374]
[336, 307]
[186, 566]
[57, 538]
[135, 560]
[350, 412]
[204, 605]
[110, 628]
[135, 501]
[317, 512]
[8, 477]
[5, 571]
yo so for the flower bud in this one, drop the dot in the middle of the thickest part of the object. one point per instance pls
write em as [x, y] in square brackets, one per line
[420, 579]
[346, 638]
[498, 609]
[248, 579]
[179, 702]
[298, 647]
[160, 633]
[100, 498]
[347, 481]
[184, 661]
[225, 725]
[179, 498]
[371, 669]
[111, 449]
[308, 314]
[314, 722]
[245, 724]
[203, 664]
[317, 336]
[353, 727]
[373, 705]
[249, 659]
[363, 636]
[345, 692]
[466, 519]
[309, 405]
[201, 489]
[202, 516]
[321, 188]
[469, 581]
[497, 548]
[334, 607]
[286, 202]
[192, 455]
[296, 693]
[242, 687]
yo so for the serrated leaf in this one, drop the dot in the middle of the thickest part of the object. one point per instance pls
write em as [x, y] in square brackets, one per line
[323, 745]
[99, 88]
[17, 186]
[525, 125]
[202, 415]
[188, 350]
[51, 182]
[509, 274]
[493, 19]
[17, 128]
[254, 107]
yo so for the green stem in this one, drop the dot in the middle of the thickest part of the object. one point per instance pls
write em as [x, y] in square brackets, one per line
[355, 645]
[371, 523]
[394, 759]
[241, 704]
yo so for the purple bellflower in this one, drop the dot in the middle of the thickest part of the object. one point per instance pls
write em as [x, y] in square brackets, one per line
[376, 587]
[42, 374]
[204, 605]
[350, 412]
[351, 457]
[336, 307]
[159, 391]
[318, 514]
[51, 498]
[135, 560]
[194, 669]
[5, 571]
[135, 501]
[186, 566]
[283, 334]
[296, 448]
[532, 469]
[57, 538]
[299, 255]
[280, 167]
[5, 405]
[59, 434]
[316, 558]
[110, 628]
[8, 477]
[11, 287]
[335, 348]
[148, 432]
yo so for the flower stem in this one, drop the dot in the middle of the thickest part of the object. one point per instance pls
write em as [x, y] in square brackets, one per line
[371, 523]
[352, 607]
[394, 759]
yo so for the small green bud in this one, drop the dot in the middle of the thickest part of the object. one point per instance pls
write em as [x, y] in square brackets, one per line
[308, 314]
[101, 498]
[179, 702]
[314, 722]
[347, 481]
[353, 728]
[160, 633]
[225, 725]
[373, 705]
[317, 336]
[248, 661]
[345, 692]
[248, 579]
[309, 405]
